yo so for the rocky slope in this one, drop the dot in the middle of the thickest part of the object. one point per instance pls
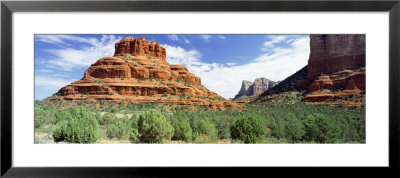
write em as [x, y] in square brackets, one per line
[138, 72]
[292, 83]
[335, 74]
[255, 88]
[336, 88]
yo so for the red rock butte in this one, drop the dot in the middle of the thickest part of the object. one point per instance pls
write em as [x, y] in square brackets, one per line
[334, 76]
[138, 72]
[332, 53]
[140, 47]
[336, 63]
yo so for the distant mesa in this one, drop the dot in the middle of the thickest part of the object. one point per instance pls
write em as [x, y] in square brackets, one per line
[249, 89]
[138, 72]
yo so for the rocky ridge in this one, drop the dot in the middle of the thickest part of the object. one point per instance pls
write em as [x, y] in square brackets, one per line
[292, 83]
[255, 88]
[138, 72]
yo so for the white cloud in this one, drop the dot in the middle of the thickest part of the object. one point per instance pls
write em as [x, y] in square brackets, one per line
[185, 40]
[206, 38]
[181, 38]
[226, 79]
[274, 39]
[178, 55]
[51, 82]
[68, 59]
[63, 39]
[53, 39]
[45, 71]
[222, 37]
[173, 37]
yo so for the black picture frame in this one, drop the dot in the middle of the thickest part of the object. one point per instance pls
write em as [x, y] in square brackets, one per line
[8, 7]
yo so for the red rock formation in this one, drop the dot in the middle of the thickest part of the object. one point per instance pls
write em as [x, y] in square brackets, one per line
[140, 47]
[331, 53]
[339, 80]
[322, 81]
[182, 73]
[109, 67]
[139, 72]
[343, 84]
[337, 63]
[335, 71]
[318, 97]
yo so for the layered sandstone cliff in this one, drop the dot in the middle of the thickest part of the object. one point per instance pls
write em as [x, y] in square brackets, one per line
[332, 53]
[336, 69]
[337, 88]
[138, 72]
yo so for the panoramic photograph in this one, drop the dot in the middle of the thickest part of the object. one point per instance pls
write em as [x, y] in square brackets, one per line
[200, 89]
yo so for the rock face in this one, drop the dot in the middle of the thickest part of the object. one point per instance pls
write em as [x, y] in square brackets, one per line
[140, 47]
[255, 88]
[339, 80]
[244, 89]
[336, 64]
[335, 72]
[333, 88]
[295, 82]
[138, 72]
[332, 53]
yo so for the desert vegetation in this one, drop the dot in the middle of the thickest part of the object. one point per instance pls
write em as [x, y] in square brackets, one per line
[283, 119]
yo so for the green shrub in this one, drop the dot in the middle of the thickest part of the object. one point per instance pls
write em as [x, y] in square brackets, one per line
[153, 127]
[119, 130]
[248, 129]
[182, 131]
[274, 113]
[134, 122]
[82, 127]
[42, 117]
[223, 127]
[98, 116]
[294, 128]
[113, 110]
[107, 119]
[321, 128]
[205, 128]
[61, 115]
[111, 131]
[134, 136]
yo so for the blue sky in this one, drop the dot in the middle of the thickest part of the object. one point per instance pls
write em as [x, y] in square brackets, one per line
[221, 61]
